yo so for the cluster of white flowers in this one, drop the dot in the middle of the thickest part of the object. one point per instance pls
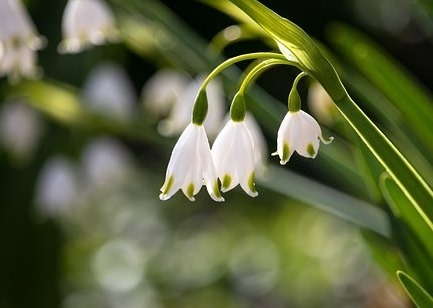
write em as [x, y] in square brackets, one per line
[237, 150]
[85, 23]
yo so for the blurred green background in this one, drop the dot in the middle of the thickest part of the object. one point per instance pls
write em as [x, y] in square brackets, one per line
[105, 239]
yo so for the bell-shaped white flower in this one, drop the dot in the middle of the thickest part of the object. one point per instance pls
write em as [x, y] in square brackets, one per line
[299, 132]
[19, 41]
[233, 154]
[191, 166]
[86, 23]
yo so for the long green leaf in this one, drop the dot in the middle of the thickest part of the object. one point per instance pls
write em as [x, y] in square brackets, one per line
[404, 210]
[420, 297]
[328, 199]
[414, 101]
[313, 61]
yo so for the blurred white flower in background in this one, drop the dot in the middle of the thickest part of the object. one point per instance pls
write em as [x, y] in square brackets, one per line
[109, 91]
[180, 114]
[163, 90]
[321, 105]
[57, 187]
[20, 129]
[19, 41]
[105, 163]
[86, 23]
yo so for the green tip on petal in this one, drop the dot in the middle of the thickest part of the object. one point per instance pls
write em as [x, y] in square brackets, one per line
[167, 185]
[190, 191]
[286, 153]
[216, 191]
[310, 150]
[251, 185]
[227, 180]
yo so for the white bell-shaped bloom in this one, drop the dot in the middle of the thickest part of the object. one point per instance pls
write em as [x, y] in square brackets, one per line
[86, 23]
[233, 154]
[298, 132]
[109, 90]
[19, 41]
[180, 114]
[191, 166]
[163, 89]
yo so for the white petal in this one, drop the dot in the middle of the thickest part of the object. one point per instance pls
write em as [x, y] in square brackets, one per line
[209, 171]
[225, 158]
[259, 142]
[287, 137]
[246, 164]
[309, 136]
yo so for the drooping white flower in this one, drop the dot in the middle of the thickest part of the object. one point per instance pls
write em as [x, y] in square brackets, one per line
[298, 132]
[86, 23]
[191, 166]
[108, 90]
[163, 90]
[19, 41]
[233, 154]
[180, 114]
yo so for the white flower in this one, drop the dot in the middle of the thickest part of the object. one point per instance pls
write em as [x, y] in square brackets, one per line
[233, 154]
[180, 114]
[19, 41]
[298, 132]
[163, 89]
[190, 164]
[108, 90]
[86, 23]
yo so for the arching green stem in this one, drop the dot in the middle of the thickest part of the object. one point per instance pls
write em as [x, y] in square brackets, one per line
[201, 106]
